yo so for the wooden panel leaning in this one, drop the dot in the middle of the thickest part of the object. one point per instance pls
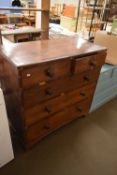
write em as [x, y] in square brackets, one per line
[50, 86]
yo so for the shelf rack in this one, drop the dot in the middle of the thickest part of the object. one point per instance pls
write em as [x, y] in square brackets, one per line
[45, 11]
[91, 14]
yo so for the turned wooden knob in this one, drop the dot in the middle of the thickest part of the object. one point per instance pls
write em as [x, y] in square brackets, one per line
[86, 78]
[82, 94]
[48, 109]
[46, 127]
[93, 63]
[48, 91]
[79, 109]
[49, 72]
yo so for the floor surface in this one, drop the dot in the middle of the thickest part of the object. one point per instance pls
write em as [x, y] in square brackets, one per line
[87, 146]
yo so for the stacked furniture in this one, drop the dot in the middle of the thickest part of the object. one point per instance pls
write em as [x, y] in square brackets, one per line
[45, 7]
[68, 17]
[27, 33]
[107, 83]
[68, 23]
[48, 84]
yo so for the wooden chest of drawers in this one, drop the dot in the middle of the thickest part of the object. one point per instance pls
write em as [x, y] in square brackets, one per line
[49, 83]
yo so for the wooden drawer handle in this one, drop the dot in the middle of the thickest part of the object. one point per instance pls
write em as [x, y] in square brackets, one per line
[82, 94]
[46, 127]
[49, 72]
[93, 63]
[48, 92]
[86, 78]
[79, 109]
[47, 109]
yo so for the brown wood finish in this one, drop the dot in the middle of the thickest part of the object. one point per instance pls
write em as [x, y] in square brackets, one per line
[47, 108]
[40, 129]
[1, 67]
[48, 84]
[90, 63]
[38, 94]
[11, 90]
[45, 19]
[45, 72]
[36, 52]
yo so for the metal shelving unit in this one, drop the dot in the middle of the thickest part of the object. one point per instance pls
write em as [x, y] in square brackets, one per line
[113, 11]
[91, 16]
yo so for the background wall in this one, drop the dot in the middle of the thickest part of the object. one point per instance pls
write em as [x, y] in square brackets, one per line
[8, 2]
[5, 3]
[75, 2]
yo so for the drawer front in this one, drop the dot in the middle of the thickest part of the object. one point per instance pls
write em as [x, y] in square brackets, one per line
[37, 94]
[41, 129]
[45, 72]
[45, 109]
[89, 62]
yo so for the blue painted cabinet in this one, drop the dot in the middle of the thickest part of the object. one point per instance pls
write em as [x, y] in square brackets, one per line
[106, 87]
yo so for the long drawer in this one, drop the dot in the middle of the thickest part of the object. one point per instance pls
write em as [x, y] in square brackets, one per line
[44, 127]
[88, 63]
[45, 72]
[37, 94]
[45, 109]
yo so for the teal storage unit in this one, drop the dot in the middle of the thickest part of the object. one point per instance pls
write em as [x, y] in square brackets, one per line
[106, 87]
[114, 27]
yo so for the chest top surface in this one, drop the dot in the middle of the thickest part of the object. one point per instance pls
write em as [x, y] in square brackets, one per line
[31, 53]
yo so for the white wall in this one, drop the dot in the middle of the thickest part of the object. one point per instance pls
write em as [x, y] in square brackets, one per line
[5, 3]
[75, 2]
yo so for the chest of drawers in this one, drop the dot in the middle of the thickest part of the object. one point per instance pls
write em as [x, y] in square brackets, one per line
[48, 84]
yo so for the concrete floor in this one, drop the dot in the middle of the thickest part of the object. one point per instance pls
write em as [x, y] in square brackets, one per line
[87, 146]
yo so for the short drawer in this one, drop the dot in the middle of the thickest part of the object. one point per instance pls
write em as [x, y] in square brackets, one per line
[41, 129]
[45, 109]
[45, 72]
[37, 94]
[88, 62]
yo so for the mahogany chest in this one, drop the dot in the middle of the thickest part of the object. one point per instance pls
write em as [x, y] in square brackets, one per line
[48, 84]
